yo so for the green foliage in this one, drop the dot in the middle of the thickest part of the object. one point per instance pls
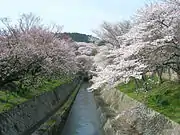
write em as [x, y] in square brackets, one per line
[78, 37]
[102, 42]
[8, 99]
[164, 98]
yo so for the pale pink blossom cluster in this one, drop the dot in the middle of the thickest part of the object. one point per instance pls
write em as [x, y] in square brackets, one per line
[85, 53]
[150, 43]
[29, 48]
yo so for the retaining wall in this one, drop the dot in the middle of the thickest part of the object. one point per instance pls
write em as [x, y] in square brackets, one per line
[25, 118]
[125, 115]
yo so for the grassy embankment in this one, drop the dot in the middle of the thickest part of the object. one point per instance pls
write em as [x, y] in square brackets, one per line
[164, 98]
[9, 99]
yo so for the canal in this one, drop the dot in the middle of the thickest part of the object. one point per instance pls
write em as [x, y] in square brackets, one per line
[83, 118]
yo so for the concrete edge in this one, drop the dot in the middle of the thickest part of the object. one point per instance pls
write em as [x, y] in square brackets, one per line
[54, 125]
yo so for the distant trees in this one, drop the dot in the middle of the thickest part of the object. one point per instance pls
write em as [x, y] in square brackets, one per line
[77, 37]
[88, 49]
[85, 53]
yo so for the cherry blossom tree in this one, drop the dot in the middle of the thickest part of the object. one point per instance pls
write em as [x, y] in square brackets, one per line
[85, 53]
[110, 32]
[161, 31]
[88, 49]
[30, 49]
[116, 65]
[149, 45]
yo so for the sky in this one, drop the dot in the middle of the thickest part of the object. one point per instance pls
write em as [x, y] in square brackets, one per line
[75, 15]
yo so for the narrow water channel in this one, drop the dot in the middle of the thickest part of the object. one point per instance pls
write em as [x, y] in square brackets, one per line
[83, 118]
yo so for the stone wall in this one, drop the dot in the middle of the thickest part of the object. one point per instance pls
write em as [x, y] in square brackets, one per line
[55, 124]
[28, 116]
[127, 116]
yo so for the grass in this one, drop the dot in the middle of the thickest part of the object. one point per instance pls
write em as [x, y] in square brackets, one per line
[46, 86]
[164, 98]
[10, 99]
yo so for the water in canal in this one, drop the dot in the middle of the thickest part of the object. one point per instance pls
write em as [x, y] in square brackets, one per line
[83, 118]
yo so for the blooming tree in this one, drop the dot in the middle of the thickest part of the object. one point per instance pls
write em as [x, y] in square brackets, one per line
[29, 49]
[110, 32]
[151, 43]
[115, 66]
[84, 56]
[88, 49]
[161, 31]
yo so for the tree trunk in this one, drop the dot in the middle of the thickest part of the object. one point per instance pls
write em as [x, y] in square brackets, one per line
[136, 83]
[178, 72]
[178, 77]
[145, 83]
[159, 73]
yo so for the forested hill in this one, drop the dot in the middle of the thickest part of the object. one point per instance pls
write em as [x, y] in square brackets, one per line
[78, 37]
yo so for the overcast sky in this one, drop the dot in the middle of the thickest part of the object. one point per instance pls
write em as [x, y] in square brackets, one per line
[75, 15]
